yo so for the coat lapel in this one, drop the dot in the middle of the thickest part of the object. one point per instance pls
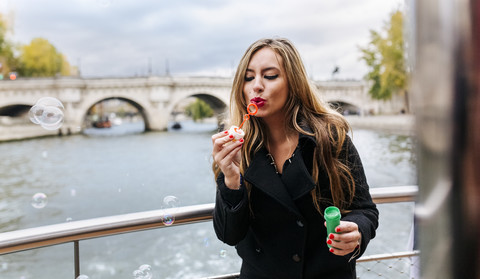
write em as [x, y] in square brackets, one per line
[296, 177]
[262, 175]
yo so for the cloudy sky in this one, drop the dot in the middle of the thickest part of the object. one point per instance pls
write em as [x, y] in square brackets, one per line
[197, 37]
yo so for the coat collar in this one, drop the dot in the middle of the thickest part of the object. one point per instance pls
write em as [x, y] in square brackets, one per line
[304, 138]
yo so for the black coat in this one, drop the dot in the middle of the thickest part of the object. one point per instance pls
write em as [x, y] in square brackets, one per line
[281, 234]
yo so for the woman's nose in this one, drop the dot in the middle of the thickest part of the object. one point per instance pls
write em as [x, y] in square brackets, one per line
[258, 85]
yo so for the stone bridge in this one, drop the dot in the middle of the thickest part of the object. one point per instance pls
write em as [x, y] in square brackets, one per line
[155, 97]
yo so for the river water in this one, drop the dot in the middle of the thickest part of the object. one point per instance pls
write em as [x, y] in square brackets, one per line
[98, 174]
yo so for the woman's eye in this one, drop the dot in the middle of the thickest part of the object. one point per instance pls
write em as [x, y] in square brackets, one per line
[248, 78]
[271, 77]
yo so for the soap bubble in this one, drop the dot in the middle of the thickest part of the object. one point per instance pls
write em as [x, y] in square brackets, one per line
[170, 201]
[82, 277]
[39, 200]
[223, 253]
[47, 112]
[206, 242]
[168, 219]
[35, 113]
[52, 118]
[143, 272]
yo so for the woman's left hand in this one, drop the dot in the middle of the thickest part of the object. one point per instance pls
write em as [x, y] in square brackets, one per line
[346, 240]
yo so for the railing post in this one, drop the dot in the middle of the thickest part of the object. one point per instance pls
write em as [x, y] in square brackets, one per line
[466, 141]
[76, 258]
[444, 80]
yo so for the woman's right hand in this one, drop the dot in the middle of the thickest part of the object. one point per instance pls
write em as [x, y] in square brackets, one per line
[226, 155]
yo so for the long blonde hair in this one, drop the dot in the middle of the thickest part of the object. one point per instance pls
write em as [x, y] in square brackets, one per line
[329, 127]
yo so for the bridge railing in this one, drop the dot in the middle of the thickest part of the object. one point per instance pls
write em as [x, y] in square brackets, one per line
[76, 231]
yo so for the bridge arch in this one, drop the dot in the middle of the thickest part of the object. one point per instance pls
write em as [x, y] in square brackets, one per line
[15, 110]
[89, 103]
[217, 104]
[141, 110]
[344, 99]
[217, 98]
[345, 108]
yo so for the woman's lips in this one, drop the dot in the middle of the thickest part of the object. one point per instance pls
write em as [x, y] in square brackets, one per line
[258, 101]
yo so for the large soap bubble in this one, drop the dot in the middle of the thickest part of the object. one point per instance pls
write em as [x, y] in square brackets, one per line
[47, 112]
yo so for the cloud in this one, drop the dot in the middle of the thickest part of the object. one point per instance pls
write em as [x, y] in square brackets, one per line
[124, 37]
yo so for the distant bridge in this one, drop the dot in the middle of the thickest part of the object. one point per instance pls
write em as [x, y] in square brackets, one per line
[155, 96]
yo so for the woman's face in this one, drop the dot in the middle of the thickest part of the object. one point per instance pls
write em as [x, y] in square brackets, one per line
[266, 84]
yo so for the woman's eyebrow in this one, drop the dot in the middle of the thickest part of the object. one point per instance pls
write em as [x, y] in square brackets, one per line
[264, 70]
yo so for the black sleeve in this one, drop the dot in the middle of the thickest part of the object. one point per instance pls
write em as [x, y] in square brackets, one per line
[231, 216]
[363, 211]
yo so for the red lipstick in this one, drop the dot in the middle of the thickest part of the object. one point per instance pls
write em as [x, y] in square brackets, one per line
[260, 102]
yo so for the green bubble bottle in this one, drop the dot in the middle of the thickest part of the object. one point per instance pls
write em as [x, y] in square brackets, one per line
[332, 216]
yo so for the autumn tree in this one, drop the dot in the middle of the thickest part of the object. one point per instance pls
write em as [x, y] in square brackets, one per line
[198, 110]
[385, 57]
[41, 59]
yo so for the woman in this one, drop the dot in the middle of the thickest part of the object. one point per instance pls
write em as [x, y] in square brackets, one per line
[296, 159]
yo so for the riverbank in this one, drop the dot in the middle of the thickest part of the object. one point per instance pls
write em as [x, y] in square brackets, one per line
[398, 124]
[24, 131]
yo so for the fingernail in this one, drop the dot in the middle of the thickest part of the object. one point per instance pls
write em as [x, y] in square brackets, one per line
[337, 229]
[329, 241]
[231, 136]
[331, 236]
[226, 132]
[241, 140]
[331, 250]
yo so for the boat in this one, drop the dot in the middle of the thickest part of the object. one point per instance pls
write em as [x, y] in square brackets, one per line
[102, 123]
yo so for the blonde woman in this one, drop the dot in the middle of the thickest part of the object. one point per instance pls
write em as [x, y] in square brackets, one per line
[296, 159]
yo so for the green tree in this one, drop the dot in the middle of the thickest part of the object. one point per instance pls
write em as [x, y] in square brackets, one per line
[41, 59]
[385, 57]
[7, 59]
[198, 110]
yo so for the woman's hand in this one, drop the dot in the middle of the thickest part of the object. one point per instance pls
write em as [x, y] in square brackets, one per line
[227, 157]
[346, 240]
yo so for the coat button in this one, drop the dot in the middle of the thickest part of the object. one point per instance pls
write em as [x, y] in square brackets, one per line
[296, 258]
[258, 250]
[300, 224]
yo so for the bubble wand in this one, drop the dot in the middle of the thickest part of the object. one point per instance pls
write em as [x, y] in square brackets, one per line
[236, 132]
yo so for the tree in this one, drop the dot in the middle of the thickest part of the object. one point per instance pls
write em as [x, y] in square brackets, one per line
[198, 110]
[8, 61]
[41, 59]
[385, 57]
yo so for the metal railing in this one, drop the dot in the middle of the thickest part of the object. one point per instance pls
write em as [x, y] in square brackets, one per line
[20, 240]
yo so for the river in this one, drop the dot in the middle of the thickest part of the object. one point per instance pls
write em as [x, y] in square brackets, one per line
[97, 174]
